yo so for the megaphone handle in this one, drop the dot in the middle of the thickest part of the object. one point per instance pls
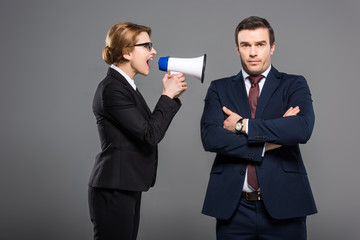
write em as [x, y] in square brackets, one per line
[173, 72]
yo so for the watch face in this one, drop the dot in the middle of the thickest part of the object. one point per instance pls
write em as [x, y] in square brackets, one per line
[238, 126]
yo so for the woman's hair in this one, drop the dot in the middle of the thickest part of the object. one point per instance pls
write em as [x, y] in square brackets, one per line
[120, 40]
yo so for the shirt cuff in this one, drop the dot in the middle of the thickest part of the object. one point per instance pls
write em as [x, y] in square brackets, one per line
[247, 126]
[263, 152]
[247, 131]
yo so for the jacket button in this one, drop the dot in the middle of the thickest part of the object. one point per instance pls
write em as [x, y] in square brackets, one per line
[242, 172]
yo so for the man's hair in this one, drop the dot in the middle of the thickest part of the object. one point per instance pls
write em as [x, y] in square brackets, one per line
[252, 23]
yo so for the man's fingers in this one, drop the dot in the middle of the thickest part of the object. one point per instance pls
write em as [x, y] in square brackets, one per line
[295, 111]
[227, 111]
[287, 112]
[292, 111]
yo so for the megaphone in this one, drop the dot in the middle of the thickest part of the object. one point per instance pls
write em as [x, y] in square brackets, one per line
[194, 67]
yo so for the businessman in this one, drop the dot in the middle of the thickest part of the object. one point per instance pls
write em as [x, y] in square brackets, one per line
[254, 122]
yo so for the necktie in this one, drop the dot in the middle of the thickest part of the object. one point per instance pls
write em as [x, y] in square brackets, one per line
[253, 99]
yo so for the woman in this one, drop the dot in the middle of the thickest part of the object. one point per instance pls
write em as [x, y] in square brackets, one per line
[129, 132]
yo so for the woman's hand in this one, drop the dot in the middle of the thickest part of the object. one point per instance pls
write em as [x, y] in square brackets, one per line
[174, 85]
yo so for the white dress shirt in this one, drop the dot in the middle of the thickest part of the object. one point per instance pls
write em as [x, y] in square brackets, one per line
[246, 186]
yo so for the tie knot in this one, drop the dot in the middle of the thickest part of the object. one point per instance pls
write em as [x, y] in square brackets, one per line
[255, 79]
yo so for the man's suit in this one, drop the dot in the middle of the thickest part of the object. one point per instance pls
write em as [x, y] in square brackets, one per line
[127, 164]
[281, 173]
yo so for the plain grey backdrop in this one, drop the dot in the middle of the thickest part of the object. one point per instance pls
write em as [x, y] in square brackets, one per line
[51, 65]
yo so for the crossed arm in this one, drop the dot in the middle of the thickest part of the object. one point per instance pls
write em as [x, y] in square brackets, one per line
[292, 128]
[233, 118]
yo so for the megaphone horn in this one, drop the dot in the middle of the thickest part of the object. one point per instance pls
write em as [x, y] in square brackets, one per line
[194, 67]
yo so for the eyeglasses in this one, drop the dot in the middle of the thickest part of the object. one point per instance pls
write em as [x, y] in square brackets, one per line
[148, 45]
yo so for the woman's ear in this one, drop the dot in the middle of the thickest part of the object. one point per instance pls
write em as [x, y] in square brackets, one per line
[126, 54]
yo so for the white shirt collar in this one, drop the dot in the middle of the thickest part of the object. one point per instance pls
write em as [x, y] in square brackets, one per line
[130, 81]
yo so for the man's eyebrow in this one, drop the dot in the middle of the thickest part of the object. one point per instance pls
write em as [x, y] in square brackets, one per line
[263, 42]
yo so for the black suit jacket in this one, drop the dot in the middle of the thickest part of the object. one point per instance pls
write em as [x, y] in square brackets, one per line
[129, 134]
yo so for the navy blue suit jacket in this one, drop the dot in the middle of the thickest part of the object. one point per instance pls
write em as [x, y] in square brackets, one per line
[282, 176]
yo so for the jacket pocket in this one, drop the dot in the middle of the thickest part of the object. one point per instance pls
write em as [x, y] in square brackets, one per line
[218, 165]
[216, 169]
[291, 161]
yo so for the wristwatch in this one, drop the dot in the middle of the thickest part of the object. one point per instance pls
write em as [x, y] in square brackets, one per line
[239, 126]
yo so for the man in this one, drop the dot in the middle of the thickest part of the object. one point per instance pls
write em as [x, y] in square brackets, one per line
[254, 122]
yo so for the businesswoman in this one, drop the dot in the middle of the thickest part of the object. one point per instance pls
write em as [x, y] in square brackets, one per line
[129, 132]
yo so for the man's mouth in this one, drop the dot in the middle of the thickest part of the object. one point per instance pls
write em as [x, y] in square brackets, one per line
[253, 62]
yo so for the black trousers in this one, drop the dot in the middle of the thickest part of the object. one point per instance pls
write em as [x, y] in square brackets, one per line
[114, 213]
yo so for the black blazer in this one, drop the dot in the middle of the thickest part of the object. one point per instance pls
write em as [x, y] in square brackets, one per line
[129, 134]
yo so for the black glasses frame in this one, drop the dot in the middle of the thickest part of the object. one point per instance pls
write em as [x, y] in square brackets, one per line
[148, 45]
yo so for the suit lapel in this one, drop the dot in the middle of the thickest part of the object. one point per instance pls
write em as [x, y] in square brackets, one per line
[115, 74]
[143, 103]
[242, 105]
[271, 84]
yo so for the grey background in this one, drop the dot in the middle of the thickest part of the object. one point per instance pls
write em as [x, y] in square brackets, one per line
[50, 67]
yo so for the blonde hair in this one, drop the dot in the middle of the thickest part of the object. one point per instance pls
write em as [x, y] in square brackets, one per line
[120, 40]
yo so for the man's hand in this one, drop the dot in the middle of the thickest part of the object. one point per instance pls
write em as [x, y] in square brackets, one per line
[231, 120]
[290, 112]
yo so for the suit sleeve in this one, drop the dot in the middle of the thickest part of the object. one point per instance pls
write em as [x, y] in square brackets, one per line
[287, 130]
[219, 140]
[120, 106]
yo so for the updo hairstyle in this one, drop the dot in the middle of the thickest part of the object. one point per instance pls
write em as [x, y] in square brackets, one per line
[120, 40]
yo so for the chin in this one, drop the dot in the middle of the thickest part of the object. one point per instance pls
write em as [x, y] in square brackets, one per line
[254, 71]
[145, 73]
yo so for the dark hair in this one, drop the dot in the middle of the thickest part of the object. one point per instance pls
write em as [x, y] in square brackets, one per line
[121, 39]
[252, 23]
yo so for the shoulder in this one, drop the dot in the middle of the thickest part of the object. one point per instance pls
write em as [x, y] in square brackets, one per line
[287, 78]
[225, 81]
[113, 86]
[290, 82]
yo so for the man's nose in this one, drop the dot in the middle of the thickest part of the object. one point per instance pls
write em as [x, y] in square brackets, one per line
[253, 51]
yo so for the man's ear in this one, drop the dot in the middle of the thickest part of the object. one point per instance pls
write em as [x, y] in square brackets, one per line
[237, 49]
[272, 49]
